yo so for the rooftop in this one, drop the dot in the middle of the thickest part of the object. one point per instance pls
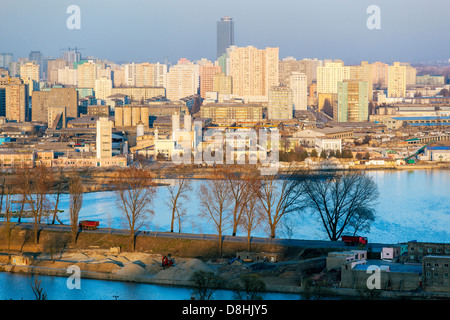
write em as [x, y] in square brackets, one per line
[394, 267]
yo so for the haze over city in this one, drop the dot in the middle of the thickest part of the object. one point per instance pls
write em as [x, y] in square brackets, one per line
[152, 31]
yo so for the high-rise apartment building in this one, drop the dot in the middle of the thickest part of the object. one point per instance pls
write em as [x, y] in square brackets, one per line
[145, 74]
[353, 101]
[67, 76]
[55, 97]
[104, 138]
[396, 80]
[29, 70]
[86, 75]
[2, 102]
[286, 67]
[182, 80]
[253, 70]
[311, 66]
[364, 73]
[329, 75]
[37, 58]
[380, 74]
[225, 35]
[17, 101]
[280, 103]
[72, 56]
[207, 73]
[411, 73]
[298, 83]
[103, 88]
[222, 84]
[5, 60]
[29, 73]
[52, 69]
[118, 77]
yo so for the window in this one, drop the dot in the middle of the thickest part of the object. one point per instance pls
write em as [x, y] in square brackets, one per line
[430, 250]
[428, 264]
[445, 265]
[420, 249]
[436, 264]
[428, 274]
[446, 275]
[411, 257]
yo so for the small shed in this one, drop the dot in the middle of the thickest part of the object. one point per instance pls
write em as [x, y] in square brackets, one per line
[21, 260]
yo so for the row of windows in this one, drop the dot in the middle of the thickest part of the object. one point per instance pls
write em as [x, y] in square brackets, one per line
[430, 250]
[436, 274]
[428, 264]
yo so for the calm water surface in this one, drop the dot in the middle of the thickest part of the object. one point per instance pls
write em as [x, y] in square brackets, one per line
[413, 205]
[17, 287]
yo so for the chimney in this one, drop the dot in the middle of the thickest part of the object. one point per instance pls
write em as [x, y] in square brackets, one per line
[175, 121]
[187, 122]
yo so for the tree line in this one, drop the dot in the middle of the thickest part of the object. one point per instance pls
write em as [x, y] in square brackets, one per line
[232, 202]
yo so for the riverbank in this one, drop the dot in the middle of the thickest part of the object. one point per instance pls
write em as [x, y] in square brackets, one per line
[146, 269]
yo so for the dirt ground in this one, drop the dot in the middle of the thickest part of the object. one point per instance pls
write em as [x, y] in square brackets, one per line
[148, 265]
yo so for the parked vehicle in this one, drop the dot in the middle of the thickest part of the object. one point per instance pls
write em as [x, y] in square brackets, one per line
[88, 225]
[354, 240]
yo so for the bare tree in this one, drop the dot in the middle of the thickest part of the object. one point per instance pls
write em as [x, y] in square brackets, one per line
[178, 192]
[135, 191]
[205, 284]
[280, 195]
[251, 287]
[23, 186]
[339, 198]
[239, 194]
[37, 288]
[362, 220]
[6, 203]
[215, 199]
[76, 202]
[252, 215]
[59, 188]
[42, 180]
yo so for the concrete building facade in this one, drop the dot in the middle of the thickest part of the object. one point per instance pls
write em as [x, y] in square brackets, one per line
[55, 97]
[396, 80]
[353, 101]
[280, 103]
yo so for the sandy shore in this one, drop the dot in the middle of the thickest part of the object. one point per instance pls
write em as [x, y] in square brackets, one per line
[146, 268]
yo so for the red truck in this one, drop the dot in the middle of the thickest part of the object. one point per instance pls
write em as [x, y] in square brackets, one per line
[88, 225]
[354, 240]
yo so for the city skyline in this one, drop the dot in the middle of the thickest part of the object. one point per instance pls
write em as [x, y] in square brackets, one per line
[322, 29]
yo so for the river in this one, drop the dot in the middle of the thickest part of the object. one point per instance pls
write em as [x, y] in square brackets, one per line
[18, 286]
[413, 205]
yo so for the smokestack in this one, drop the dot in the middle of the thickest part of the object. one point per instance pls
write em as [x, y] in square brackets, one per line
[187, 122]
[175, 121]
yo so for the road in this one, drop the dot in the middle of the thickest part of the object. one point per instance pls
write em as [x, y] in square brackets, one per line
[211, 237]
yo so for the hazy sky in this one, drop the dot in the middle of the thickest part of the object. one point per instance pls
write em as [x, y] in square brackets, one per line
[150, 30]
